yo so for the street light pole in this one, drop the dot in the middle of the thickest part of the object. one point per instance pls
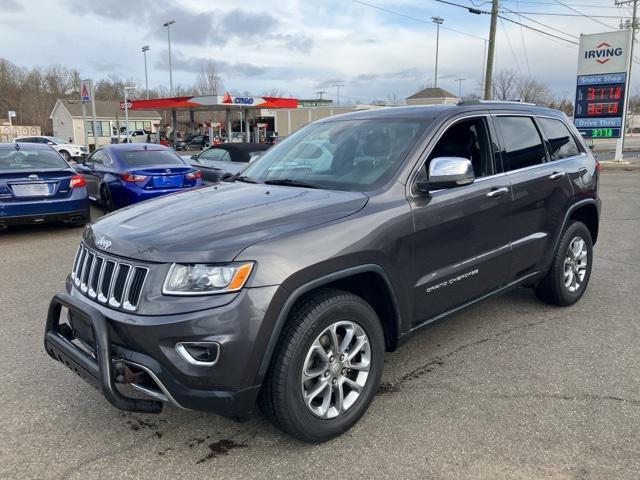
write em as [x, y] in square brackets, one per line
[168, 24]
[145, 49]
[460, 80]
[338, 85]
[126, 113]
[438, 21]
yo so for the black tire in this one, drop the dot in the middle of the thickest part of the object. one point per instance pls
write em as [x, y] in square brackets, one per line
[106, 200]
[552, 288]
[281, 398]
[65, 155]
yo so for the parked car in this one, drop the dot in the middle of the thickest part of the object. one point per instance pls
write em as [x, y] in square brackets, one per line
[69, 151]
[120, 175]
[286, 286]
[193, 142]
[226, 159]
[134, 136]
[37, 185]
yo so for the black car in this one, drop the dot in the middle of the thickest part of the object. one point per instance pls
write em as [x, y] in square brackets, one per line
[192, 142]
[226, 159]
[286, 286]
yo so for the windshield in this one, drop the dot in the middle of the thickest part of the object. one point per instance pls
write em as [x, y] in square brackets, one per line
[143, 158]
[350, 155]
[30, 160]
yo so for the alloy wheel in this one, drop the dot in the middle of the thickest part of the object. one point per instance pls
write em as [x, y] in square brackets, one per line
[575, 264]
[336, 369]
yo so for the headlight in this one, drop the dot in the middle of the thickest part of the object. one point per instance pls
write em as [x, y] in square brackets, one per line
[202, 279]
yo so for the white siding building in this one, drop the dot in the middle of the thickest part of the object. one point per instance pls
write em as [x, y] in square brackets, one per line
[67, 120]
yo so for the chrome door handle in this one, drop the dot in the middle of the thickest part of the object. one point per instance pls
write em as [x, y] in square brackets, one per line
[497, 192]
[555, 175]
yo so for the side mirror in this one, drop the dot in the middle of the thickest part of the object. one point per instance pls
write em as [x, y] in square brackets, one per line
[447, 172]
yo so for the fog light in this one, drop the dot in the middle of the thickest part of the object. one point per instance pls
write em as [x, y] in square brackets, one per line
[204, 354]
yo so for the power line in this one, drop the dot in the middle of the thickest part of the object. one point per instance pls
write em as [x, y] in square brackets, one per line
[542, 24]
[592, 17]
[536, 29]
[478, 11]
[524, 45]
[421, 20]
[513, 52]
[553, 3]
[584, 15]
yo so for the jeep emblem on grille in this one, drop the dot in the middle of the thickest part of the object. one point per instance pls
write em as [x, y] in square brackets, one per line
[103, 243]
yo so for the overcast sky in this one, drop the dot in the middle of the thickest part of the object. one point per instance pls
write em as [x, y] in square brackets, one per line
[298, 46]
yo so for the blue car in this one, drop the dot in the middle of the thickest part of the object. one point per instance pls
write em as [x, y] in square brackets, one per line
[37, 185]
[124, 174]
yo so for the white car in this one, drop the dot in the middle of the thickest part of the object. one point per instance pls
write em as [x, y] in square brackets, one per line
[135, 136]
[68, 150]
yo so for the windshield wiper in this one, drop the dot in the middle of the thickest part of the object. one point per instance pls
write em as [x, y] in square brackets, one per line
[290, 182]
[243, 178]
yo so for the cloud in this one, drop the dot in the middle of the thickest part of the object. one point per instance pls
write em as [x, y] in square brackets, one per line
[181, 62]
[12, 6]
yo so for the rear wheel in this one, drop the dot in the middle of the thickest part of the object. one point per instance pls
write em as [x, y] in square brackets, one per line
[65, 155]
[326, 367]
[106, 199]
[568, 277]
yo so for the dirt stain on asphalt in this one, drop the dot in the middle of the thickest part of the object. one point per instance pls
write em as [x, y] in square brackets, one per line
[219, 448]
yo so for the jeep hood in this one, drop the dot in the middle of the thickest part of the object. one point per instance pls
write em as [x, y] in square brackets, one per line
[215, 223]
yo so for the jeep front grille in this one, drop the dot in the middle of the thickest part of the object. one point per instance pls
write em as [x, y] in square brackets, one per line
[109, 281]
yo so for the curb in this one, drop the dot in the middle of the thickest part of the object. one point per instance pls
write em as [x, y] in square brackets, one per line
[619, 166]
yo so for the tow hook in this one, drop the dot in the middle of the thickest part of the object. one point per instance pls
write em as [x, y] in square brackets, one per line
[124, 374]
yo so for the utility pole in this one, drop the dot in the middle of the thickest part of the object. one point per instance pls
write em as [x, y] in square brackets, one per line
[168, 24]
[460, 80]
[492, 45]
[321, 93]
[145, 49]
[338, 85]
[438, 21]
[623, 130]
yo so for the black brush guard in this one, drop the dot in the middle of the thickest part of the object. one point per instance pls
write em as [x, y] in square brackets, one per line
[99, 371]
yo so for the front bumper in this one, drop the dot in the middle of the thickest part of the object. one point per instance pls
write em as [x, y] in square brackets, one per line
[148, 342]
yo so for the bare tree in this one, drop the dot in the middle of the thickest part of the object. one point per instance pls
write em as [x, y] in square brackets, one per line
[505, 85]
[274, 92]
[532, 90]
[209, 81]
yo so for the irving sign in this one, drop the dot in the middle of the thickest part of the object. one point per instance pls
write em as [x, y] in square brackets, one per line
[602, 84]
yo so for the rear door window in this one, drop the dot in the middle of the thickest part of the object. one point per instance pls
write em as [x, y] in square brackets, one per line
[561, 142]
[521, 142]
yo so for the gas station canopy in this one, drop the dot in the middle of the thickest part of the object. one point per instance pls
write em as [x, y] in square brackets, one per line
[210, 103]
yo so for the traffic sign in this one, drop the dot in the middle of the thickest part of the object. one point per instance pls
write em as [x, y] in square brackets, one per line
[128, 105]
[85, 91]
[12, 113]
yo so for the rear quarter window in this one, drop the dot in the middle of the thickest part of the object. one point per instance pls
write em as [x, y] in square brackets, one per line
[561, 142]
[142, 158]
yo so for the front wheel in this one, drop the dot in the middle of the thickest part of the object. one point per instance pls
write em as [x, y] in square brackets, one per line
[326, 368]
[569, 274]
[65, 155]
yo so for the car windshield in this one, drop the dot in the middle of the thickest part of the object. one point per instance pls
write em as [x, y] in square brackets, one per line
[143, 158]
[349, 155]
[30, 160]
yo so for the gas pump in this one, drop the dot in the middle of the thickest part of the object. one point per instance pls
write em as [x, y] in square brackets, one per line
[210, 134]
[260, 132]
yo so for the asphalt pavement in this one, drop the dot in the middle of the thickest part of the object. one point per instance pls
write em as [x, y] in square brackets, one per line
[510, 389]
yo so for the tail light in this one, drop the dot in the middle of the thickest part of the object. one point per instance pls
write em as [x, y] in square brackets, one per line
[77, 181]
[132, 177]
[193, 175]
[598, 166]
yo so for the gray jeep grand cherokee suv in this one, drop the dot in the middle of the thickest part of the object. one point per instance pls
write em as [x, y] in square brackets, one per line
[284, 286]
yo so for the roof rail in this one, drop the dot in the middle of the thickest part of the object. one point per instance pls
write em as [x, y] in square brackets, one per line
[499, 102]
